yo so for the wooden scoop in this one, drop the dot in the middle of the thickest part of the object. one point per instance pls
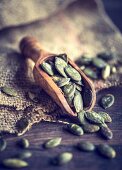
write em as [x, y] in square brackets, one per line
[31, 48]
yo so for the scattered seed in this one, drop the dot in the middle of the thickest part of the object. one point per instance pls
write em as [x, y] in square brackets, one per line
[94, 117]
[106, 151]
[3, 144]
[14, 163]
[106, 56]
[63, 158]
[78, 102]
[85, 60]
[86, 146]
[53, 143]
[24, 143]
[106, 132]
[9, 91]
[90, 73]
[113, 69]
[90, 128]
[72, 73]
[99, 63]
[106, 72]
[24, 155]
[47, 68]
[75, 129]
[107, 101]
[106, 117]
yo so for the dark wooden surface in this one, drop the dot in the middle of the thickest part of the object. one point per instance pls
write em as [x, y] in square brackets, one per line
[81, 160]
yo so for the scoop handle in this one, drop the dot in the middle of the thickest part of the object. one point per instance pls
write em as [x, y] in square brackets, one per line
[31, 48]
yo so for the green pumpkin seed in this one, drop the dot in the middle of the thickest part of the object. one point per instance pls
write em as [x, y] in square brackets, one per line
[75, 129]
[78, 102]
[63, 158]
[90, 128]
[69, 90]
[24, 155]
[106, 72]
[63, 81]
[90, 73]
[47, 68]
[24, 143]
[53, 143]
[86, 146]
[99, 63]
[3, 144]
[106, 151]
[14, 163]
[113, 69]
[107, 101]
[9, 91]
[72, 73]
[81, 117]
[94, 117]
[105, 116]
[106, 132]
[78, 87]
[60, 64]
[64, 57]
[85, 60]
[70, 101]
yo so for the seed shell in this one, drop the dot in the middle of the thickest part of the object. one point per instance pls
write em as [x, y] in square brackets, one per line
[24, 143]
[63, 158]
[78, 102]
[9, 91]
[53, 143]
[106, 117]
[86, 146]
[72, 73]
[107, 101]
[60, 64]
[106, 132]
[75, 129]
[94, 117]
[14, 163]
[3, 144]
[106, 151]
[47, 68]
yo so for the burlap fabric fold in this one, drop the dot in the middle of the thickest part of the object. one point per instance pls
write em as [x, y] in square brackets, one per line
[82, 26]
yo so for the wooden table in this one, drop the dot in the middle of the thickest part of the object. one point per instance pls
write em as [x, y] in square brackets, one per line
[81, 160]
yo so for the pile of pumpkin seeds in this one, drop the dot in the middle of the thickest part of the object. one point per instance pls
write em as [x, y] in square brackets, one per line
[99, 67]
[19, 161]
[67, 79]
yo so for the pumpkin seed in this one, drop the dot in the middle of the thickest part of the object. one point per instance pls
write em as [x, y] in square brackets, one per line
[106, 151]
[78, 82]
[90, 128]
[63, 158]
[82, 67]
[72, 73]
[64, 57]
[113, 69]
[78, 102]
[107, 101]
[70, 101]
[106, 56]
[75, 129]
[53, 143]
[81, 117]
[3, 144]
[106, 132]
[86, 146]
[47, 68]
[94, 117]
[69, 90]
[90, 73]
[24, 155]
[85, 60]
[78, 87]
[14, 163]
[106, 72]
[24, 143]
[105, 116]
[60, 64]
[63, 81]
[99, 63]
[9, 91]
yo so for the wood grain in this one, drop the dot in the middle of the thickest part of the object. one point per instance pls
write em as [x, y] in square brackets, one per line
[43, 131]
